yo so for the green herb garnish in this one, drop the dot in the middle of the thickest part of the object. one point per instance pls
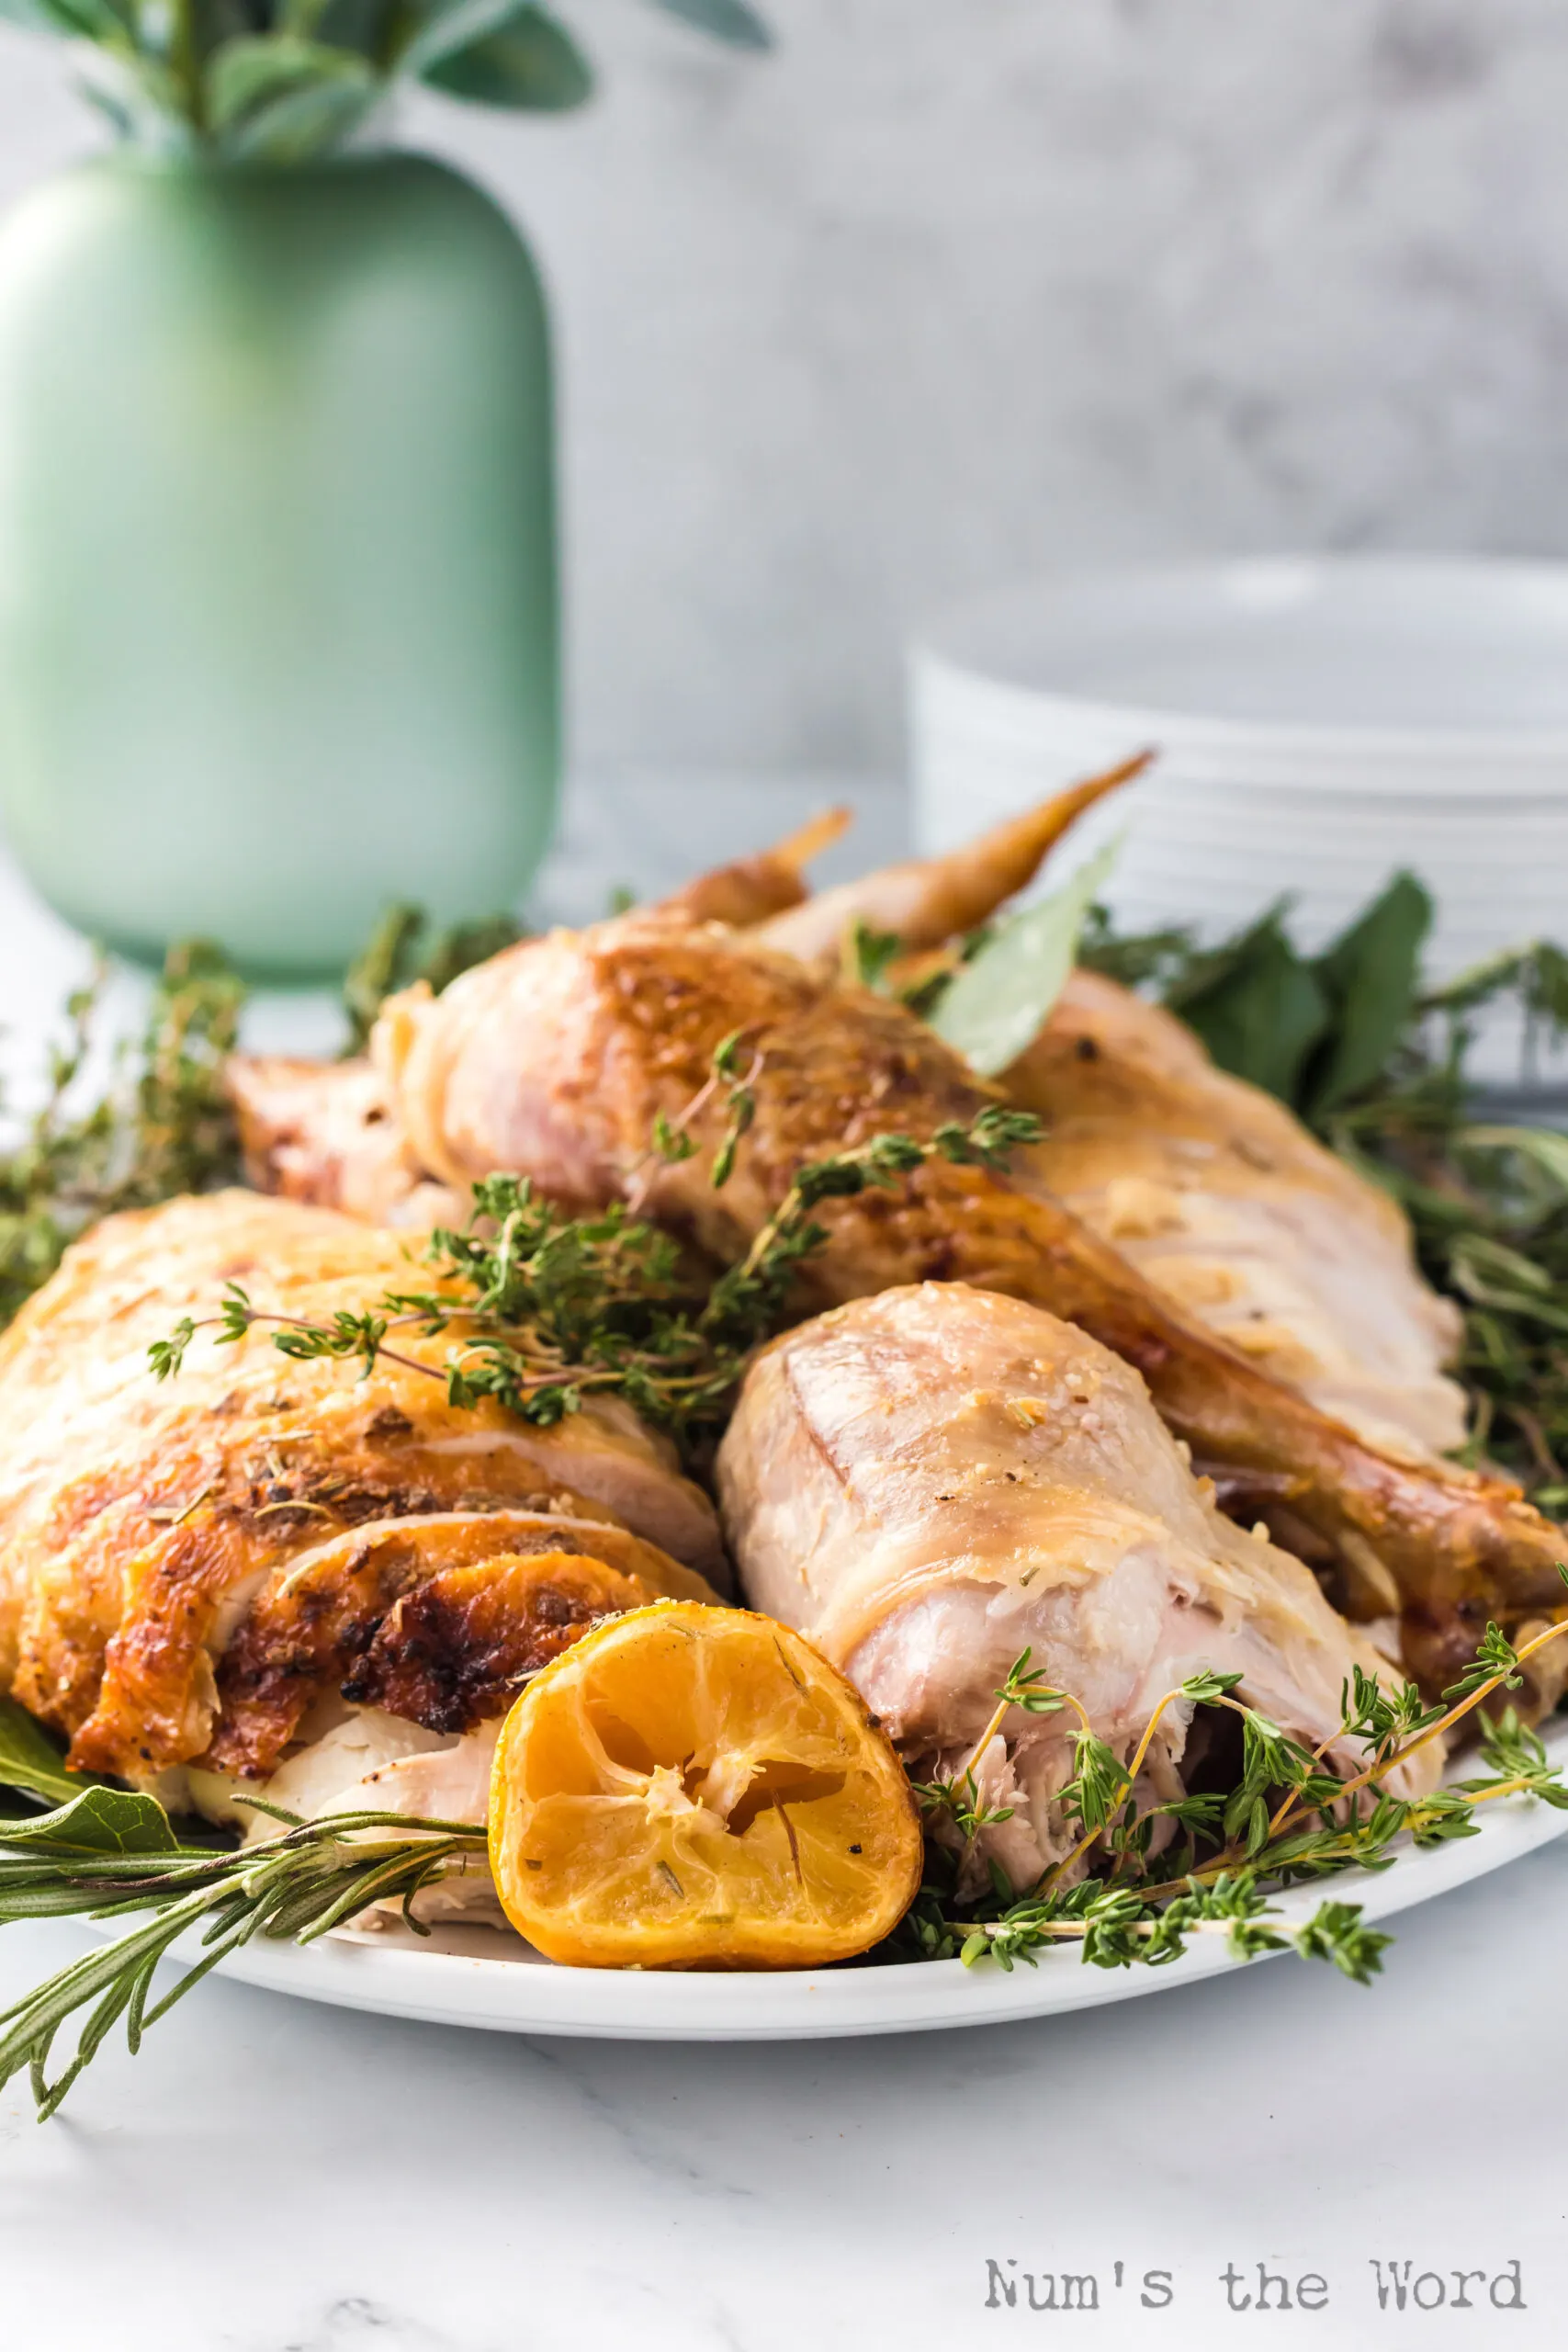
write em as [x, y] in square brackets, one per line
[867, 955]
[402, 949]
[163, 1126]
[547, 1310]
[29, 1762]
[996, 1002]
[107, 1853]
[1286, 1819]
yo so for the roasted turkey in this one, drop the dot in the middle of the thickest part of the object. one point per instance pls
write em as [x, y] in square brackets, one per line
[928, 1482]
[755, 890]
[1213, 1190]
[1318, 1400]
[269, 1571]
[330, 1132]
[555, 1057]
[1218, 1194]
[1209, 1186]
[1013, 1427]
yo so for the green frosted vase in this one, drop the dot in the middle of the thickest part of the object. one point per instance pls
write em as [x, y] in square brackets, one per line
[279, 637]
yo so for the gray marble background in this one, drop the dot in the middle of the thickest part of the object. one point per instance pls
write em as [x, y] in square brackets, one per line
[950, 290]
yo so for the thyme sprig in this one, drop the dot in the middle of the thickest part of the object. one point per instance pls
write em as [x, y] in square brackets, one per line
[162, 1125]
[1284, 1820]
[546, 1310]
[402, 947]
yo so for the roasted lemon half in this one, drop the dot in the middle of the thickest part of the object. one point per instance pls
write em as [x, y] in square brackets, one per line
[690, 1787]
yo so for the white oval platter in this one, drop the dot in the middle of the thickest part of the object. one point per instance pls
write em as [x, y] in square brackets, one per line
[477, 1977]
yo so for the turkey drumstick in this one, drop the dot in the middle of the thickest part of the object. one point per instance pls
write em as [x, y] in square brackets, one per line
[928, 1482]
[752, 889]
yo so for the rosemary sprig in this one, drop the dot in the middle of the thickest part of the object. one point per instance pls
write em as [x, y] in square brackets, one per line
[546, 1310]
[109, 1853]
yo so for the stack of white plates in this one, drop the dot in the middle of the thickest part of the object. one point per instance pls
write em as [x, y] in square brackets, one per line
[1320, 725]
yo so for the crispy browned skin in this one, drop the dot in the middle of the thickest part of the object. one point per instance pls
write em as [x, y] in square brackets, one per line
[432, 1623]
[555, 1057]
[456, 1650]
[185, 1566]
[328, 1132]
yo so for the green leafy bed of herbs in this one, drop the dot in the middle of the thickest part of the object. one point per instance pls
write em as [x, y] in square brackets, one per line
[160, 1125]
[544, 1310]
[284, 81]
[1375, 1061]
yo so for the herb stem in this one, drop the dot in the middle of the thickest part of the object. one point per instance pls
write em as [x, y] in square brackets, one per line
[1377, 1770]
[995, 1724]
[555, 1309]
[1349, 1839]
[1129, 1775]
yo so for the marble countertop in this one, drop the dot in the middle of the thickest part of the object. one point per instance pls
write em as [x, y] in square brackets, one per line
[271, 2176]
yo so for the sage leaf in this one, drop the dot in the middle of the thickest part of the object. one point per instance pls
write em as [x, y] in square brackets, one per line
[137, 94]
[316, 120]
[30, 1761]
[999, 1002]
[531, 64]
[1258, 1007]
[98, 1821]
[302, 19]
[1371, 976]
[78, 19]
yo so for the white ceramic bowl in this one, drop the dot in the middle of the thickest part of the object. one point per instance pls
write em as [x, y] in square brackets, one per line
[1320, 723]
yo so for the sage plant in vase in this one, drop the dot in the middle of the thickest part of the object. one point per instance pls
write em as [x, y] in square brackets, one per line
[278, 623]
